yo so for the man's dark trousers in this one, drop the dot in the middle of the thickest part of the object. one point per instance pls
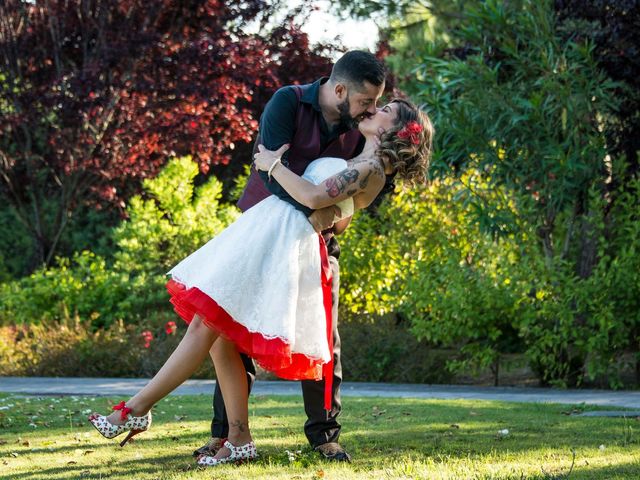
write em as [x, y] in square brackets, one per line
[321, 426]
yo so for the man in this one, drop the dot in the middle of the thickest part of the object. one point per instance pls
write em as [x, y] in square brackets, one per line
[316, 120]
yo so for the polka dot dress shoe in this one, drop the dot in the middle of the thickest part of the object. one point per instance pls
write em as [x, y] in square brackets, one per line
[133, 425]
[240, 454]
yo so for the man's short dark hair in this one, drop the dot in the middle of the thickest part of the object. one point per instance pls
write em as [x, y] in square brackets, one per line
[356, 67]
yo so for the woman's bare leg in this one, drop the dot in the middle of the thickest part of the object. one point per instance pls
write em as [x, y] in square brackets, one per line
[185, 359]
[231, 375]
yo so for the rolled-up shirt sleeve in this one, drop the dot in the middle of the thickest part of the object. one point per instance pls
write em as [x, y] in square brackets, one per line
[277, 127]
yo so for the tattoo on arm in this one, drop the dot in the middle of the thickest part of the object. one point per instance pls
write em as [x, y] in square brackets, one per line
[377, 168]
[337, 185]
[365, 181]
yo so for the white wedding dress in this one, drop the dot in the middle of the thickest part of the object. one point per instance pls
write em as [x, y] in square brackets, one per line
[258, 283]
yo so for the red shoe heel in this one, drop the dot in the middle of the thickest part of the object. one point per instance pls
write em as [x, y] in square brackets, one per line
[130, 436]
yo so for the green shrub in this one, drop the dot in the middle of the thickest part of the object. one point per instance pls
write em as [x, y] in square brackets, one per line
[425, 256]
[173, 219]
[83, 285]
[74, 348]
[53, 348]
[606, 304]
[384, 350]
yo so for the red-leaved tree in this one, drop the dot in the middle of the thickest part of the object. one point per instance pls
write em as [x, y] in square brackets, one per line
[96, 95]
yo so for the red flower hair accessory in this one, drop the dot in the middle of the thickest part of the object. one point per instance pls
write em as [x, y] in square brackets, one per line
[410, 132]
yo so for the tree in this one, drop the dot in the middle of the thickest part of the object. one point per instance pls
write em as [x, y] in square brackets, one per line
[612, 27]
[292, 60]
[516, 97]
[96, 96]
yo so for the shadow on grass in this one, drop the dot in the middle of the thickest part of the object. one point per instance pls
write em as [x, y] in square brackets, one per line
[133, 468]
[122, 469]
[622, 470]
[170, 463]
[376, 432]
[482, 430]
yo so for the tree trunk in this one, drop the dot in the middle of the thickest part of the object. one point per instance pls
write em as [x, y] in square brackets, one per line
[495, 369]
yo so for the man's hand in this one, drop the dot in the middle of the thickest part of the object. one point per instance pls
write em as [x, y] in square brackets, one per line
[322, 219]
[263, 159]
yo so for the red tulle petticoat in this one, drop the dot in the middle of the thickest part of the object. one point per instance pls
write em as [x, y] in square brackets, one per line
[272, 354]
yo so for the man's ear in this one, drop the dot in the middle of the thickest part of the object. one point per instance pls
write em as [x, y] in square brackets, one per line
[340, 90]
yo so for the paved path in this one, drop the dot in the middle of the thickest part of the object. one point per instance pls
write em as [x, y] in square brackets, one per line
[128, 386]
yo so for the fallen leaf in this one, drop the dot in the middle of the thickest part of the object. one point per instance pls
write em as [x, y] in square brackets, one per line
[87, 452]
[72, 462]
[26, 443]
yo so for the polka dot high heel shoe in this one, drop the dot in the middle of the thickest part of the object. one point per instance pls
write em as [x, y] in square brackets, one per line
[134, 425]
[240, 454]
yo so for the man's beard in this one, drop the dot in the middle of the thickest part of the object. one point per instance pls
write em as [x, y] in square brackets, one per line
[346, 120]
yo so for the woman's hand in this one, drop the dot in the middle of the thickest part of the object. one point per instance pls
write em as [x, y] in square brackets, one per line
[264, 159]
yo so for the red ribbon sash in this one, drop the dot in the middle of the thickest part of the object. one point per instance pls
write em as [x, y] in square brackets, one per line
[327, 368]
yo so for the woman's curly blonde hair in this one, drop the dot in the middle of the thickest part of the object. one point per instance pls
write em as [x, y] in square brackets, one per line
[410, 161]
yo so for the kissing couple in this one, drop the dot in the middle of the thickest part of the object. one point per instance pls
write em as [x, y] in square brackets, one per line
[266, 288]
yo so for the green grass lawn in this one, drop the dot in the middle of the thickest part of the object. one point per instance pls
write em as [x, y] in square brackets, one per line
[49, 438]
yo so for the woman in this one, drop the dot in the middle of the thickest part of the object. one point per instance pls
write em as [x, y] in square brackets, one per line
[262, 286]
